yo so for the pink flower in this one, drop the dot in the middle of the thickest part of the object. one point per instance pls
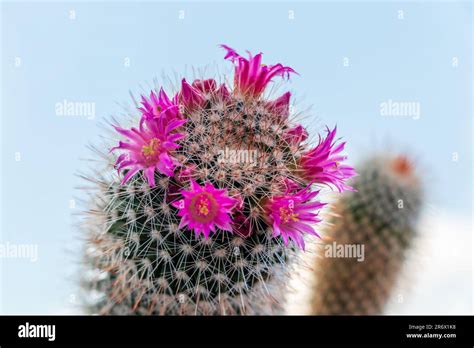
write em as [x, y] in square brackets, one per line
[251, 76]
[149, 148]
[223, 93]
[190, 96]
[159, 106]
[205, 86]
[295, 135]
[280, 106]
[242, 225]
[204, 208]
[209, 88]
[323, 163]
[293, 215]
[185, 173]
[291, 186]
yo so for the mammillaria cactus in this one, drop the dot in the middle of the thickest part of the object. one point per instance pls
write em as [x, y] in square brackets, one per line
[213, 193]
[381, 216]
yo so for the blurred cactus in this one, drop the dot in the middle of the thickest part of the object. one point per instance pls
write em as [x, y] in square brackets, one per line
[381, 216]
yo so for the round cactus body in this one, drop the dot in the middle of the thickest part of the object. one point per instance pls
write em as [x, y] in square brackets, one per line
[213, 193]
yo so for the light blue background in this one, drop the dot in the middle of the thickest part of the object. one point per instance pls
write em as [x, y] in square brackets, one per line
[83, 60]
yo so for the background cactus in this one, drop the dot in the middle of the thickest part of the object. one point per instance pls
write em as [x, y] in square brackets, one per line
[381, 216]
[212, 193]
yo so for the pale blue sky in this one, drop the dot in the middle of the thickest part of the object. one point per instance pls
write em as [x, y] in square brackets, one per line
[408, 59]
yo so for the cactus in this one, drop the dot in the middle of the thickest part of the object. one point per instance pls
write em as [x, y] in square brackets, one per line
[381, 216]
[212, 195]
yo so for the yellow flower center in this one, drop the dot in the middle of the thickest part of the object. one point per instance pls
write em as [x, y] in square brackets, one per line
[287, 215]
[151, 149]
[203, 206]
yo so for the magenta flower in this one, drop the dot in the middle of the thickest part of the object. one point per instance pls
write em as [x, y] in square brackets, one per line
[280, 106]
[159, 106]
[242, 225]
[323, 163]
[205, 86]
[295, 135]
[250, 75]
[293, 215]
[205, 207]
[291, 186]
[184, 174]
[190, 96]
[209, 88]
[149, 148]
[223, 93]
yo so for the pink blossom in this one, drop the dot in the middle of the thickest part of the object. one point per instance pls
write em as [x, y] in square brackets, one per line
[250, 75]
[208, 86]
[323, 163]
[280, 106]
[159, 106]
[185, 173]
[204, 208]
[292, 215]
[295, 135]
[149, 148]
[190, 96]
[241, 225]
